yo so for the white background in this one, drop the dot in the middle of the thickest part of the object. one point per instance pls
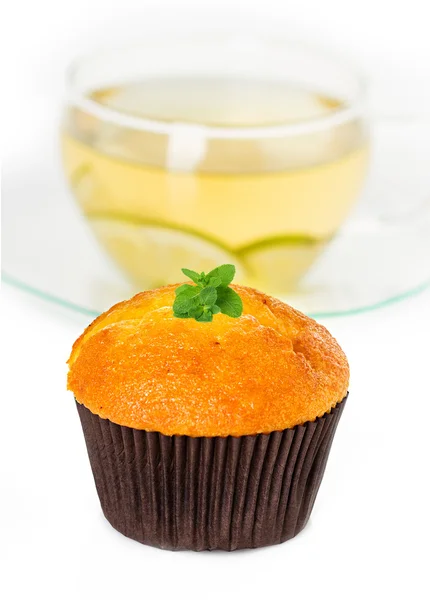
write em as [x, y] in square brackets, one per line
[368, 535]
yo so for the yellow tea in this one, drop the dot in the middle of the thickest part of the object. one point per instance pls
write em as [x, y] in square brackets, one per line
[184, 196]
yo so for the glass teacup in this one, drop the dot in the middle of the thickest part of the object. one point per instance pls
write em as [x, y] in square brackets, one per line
[215, 150]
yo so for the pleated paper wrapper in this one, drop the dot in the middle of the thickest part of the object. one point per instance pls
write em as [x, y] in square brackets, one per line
[207, 493]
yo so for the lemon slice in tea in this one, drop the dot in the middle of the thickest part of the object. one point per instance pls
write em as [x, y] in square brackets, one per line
[152, 255]
[277, 265]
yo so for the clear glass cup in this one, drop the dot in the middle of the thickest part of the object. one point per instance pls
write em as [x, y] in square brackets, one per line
[210, 150]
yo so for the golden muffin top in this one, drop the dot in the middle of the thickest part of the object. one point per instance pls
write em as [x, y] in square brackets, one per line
[270, 369]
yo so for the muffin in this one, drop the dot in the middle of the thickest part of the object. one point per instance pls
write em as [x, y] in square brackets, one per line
[207, 435]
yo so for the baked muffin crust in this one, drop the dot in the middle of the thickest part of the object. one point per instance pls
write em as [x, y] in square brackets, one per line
[270, 369]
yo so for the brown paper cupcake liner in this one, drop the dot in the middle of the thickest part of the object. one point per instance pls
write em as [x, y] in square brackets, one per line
[205, 493]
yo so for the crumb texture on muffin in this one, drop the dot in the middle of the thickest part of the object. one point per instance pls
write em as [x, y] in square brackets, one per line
[272, 368]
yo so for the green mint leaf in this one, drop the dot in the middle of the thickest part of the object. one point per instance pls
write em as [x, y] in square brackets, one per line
[229, 302]
[187, 290]
[205, 317]
[191, 292]
[187, 297]
[208, 296]
[181, 315]
[192, 275]
[183, 305]
[181, 288]
[215, 281]
[225, 273]
[195, 312]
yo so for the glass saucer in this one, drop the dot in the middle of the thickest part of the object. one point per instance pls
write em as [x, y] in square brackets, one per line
[381, 255]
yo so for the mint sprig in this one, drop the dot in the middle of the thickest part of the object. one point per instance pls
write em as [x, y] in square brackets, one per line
[209, 296]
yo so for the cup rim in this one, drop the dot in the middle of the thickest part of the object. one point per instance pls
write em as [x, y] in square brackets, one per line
[343, 114]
